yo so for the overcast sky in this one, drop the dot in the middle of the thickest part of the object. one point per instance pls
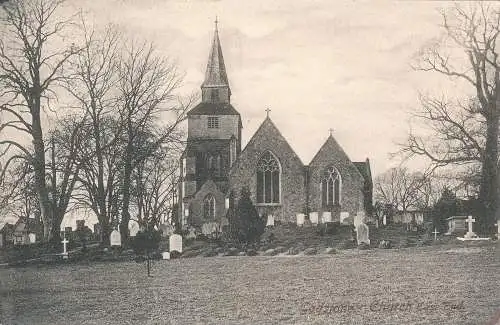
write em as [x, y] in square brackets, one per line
[316, 64]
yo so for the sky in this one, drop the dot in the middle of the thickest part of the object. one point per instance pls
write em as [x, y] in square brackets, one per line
[318, 65]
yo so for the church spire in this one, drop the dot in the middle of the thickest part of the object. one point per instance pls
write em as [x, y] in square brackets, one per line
[215, 87]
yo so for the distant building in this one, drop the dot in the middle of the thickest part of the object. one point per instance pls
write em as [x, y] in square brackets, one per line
[214, 168]
[6, 235]
[27, 231]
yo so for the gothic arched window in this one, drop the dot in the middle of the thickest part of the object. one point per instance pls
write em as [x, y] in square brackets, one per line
[218, 165]
[209, 207]
[331, 187]
[268, 179]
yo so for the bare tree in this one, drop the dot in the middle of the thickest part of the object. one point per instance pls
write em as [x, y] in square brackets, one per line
[401, 189]
[467, 132]
[93, 85]
[154, 189]
[147, 84]
[31, 66]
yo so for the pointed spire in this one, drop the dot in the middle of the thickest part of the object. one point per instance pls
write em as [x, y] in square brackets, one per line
[215, 75]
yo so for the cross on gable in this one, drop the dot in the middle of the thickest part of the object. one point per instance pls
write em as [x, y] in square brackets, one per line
[331, 131]
[267, 111]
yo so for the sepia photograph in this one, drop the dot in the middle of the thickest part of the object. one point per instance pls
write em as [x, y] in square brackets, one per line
[249, 162]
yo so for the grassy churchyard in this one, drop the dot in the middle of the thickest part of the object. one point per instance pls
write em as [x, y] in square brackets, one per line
[418, 285]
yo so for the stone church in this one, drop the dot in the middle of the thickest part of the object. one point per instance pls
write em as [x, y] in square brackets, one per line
[214, 168]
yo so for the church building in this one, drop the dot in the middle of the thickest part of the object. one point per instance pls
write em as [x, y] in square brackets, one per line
[214, 168]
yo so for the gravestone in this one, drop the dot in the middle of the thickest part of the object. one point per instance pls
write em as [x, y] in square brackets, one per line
[133, 228]
[359, 218]
[165, 255]
[300, 219]
[470, 233]
[343, 216]
[65, 251]
[115, 239]
[326, 217]
[384, 220]
[175, 243]
[270, 220]
[32, 238]
[362, 232]
[313, 216]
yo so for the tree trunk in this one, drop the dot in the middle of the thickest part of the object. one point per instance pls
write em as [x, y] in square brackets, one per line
[126, 195]
[488, 193]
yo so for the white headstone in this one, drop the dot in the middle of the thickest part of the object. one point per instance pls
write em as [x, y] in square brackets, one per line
[176, 243]
[470, 233]
[343, 215]
[362, 232]
[65, 251]
[359, 218]
[384, 220]
[313, 217]
[115, 239]
[326, 217]
[32, 238]
[134, 229]
[300, 219]
[165, 255]
[270, 220]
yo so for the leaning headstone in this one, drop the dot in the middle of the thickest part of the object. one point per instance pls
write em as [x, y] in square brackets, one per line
[32, 238]
[270, 220]
[176, 243]
[362, 231]
[343, 216]
[300, 219]
[313, 216]
[115, 239]
[326, 217]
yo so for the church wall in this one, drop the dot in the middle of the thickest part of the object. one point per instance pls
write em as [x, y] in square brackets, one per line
[198, 127]
[196, 205]
[352, 184]
[293, 191]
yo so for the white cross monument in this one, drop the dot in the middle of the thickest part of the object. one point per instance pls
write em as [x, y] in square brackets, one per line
[64, 242]
[470, 233]
[435, 234]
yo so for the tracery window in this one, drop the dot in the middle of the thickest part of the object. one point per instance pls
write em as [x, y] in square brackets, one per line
[331, 187]
[209, 207]
[268, 179]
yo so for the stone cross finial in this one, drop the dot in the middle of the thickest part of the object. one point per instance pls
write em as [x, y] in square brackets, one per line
[216, 23]
[435, 234]
[331, 131]
[267, 111]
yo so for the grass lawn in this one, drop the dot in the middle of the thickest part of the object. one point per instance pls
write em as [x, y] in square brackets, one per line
[430, 285]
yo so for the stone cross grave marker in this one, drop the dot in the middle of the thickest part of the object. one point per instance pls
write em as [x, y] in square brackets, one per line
[176, 243]
[270, 220]
[313, 217]
[470, 221]
[300, 219]
[435, 234]
[65, 251]
[326, 217]
[362, 234]
[115, 239]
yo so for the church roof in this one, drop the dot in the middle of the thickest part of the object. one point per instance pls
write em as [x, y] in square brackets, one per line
[364, 169]
[216, 70]
[205, 108]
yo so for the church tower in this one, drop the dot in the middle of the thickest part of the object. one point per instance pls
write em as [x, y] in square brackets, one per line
[213, 144]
